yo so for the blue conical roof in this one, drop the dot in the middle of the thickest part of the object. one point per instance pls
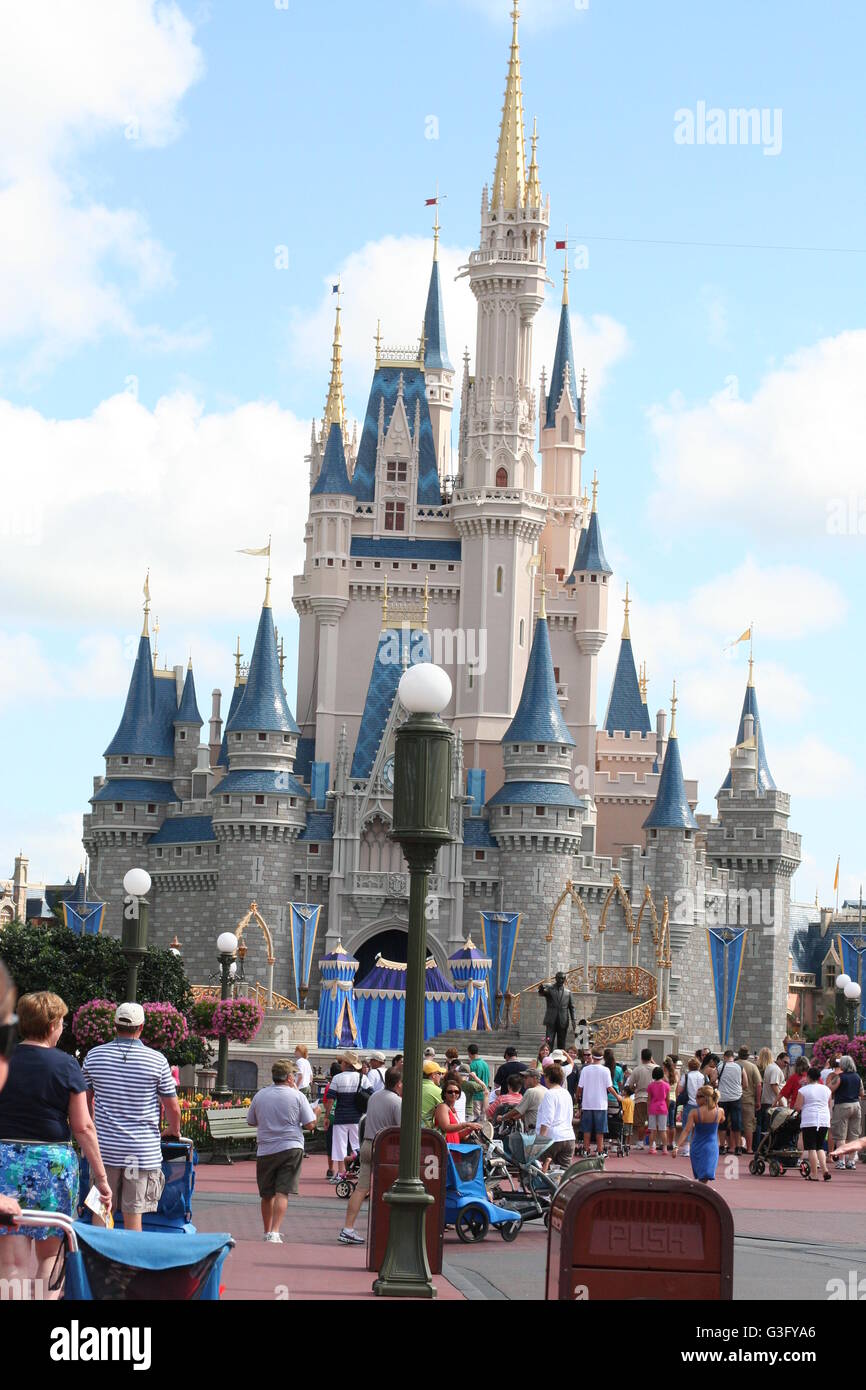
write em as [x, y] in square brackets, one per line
[539, 716]
[188, 710]
[590, 551]
[264, 707]
[750, 706]
[626, 710]
[671, 809]
[563, 357]
[79, 892]
[435, 346]
[334, 476]
[145, 727]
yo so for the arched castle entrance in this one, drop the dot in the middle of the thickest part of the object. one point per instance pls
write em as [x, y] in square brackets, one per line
[389, 938]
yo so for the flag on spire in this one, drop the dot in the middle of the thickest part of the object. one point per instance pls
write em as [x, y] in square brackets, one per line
[743, 637]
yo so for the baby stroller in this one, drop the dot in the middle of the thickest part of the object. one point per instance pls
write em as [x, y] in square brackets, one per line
[777, 1149]
[536, 1188]
[347, 1179]
[468, 1208]
[128, 1266]
[615, 1143]
[174, 1212]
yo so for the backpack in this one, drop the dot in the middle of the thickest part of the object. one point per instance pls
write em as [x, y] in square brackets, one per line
[362, 1095]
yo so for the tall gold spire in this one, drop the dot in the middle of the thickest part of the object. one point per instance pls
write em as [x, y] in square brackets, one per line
[509, 179]
[643, 682]
[751, 651]
[674, 711]
[378, 340]
[533, 187]
[155, 640]
[146, 592]
[335, 406]
[542, 607]
[627, 605]
[595, 492]
[238, 655]
[267, 602]
[436, 227]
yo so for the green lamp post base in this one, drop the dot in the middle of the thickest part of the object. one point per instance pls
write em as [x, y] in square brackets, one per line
[405, 1271]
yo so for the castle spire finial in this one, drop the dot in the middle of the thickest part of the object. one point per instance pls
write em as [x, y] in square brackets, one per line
[565, 270]
[267, 602]
[674, 711]
[509, 179]
[626, 604]
[238, 655]
[533, 186]
[155, 640]
[542, 609]
[751, 652]
[146, 592]
[378, 341]
[436, 226]
[643, 683]
[335, 406]
[595, 492]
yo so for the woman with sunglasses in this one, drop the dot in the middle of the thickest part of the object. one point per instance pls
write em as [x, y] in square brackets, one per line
[42, 1106]
[445, 1116]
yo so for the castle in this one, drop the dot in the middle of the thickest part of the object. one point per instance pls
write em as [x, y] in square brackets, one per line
[503, 580]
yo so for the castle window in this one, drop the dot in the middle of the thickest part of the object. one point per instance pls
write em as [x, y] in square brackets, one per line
[260, 801]
[313, 849]
[377, 564]
[118, 805]
[148, 762]
[262, 738]
[470, 678]
[182, 734]
[198, 849]
[451, 568]
[226, 800]
[539, 810]
[330, 561]
[500, 579]
[395, 564]
[571, 813]
[286, 738]
[502, 477]
[506, 810]
[564, 429]
[395, 516]
[125, 762]
[593, 579]
[540, 747]
[522, 631]
[358, 564]
[293, 800]
[237, 738]
[159, 853]
[556, 674]
[396, 471]
[151, 808]
[414, 565]
[431, 567]
[178, 851]
[480, 854]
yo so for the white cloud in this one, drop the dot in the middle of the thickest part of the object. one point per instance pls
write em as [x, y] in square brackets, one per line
[175, 489]
[778, 464]
[71, 269]
[811, 768]
[388, 280]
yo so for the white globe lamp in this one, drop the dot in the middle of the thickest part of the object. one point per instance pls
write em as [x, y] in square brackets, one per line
[227, 943]
[843, 981]
[852, 990]
[136, 883]
[424, 688]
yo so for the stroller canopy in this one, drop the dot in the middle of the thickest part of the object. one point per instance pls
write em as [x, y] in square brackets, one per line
[131, 1265]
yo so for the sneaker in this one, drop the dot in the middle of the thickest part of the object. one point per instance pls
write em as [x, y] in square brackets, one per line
[335, 1177]
[351, 1238]
[851, 1163]
[685, 1150]
[274, 1238]
[840, 1165]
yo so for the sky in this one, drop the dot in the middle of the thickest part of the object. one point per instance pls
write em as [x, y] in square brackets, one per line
[181, 184]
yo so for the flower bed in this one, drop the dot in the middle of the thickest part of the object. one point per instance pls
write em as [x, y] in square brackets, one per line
[194, 1107]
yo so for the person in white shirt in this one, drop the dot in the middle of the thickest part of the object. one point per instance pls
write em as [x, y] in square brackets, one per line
[376, 1071]
[593, 1088]
[555, 1121]
[813, 1102]
[730, 1087]
[304, 1072]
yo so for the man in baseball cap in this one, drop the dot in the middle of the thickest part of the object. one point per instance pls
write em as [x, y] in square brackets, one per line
[376, 1070]
[431, 1089]
[129, 1084]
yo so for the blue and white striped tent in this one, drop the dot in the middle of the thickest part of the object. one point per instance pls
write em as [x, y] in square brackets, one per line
[380, 1004]
[338, 1025]
[471, 970]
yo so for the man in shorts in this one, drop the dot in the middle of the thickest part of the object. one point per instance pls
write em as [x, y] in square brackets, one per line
[280, 1113]
[637, 1086]
[127, 1084]
[383, 1111]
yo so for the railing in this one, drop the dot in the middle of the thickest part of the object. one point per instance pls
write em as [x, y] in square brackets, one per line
[604, 979]
[801, 980]
[389, 885]
[573, 980]
[624, 979]
[622, 1027]
[259, 992]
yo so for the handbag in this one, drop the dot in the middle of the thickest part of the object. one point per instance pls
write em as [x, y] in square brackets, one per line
[362, 1096]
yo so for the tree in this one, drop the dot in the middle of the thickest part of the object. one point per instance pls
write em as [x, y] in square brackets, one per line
[80, 968]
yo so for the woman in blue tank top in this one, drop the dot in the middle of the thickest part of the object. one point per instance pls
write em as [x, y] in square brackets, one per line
[701, 1132]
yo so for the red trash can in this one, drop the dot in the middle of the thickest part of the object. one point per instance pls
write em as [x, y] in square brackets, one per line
[386, 1162]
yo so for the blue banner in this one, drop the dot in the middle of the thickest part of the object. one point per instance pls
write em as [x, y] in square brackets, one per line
[303, 925]
[727, 952]
[852, 952]
[500, 931]
[84, 919]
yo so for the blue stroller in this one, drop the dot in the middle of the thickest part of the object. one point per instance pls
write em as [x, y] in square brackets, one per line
[128, 1266]
[468, 1207]
[174, 1212]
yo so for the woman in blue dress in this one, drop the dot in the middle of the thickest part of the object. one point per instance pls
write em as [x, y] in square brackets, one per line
[703, 1127]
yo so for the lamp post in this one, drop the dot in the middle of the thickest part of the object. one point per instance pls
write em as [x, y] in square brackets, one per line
[227, 945]
[852, 999]
[422, 822]
[133, 938]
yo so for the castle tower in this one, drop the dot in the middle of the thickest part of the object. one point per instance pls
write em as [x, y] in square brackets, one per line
[496, 510]
[187, 726]
[131, 801]
[438, 371]
[259, 806]
[752, 836]
[672, 873]
[562, 443]
[19, 886]
[536, 818]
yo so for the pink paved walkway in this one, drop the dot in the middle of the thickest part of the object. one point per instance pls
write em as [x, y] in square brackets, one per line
[311, 1263]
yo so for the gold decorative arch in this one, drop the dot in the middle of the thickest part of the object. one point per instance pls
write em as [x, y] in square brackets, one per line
[568, 892]
[255, 916]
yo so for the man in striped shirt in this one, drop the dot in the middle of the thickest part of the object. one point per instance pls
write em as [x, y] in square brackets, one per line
[126, 1083]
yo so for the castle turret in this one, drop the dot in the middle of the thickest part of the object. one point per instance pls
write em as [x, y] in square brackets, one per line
[562, 444]
[438, 371]
[752, 840]
[535, 816]
[187, 726]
